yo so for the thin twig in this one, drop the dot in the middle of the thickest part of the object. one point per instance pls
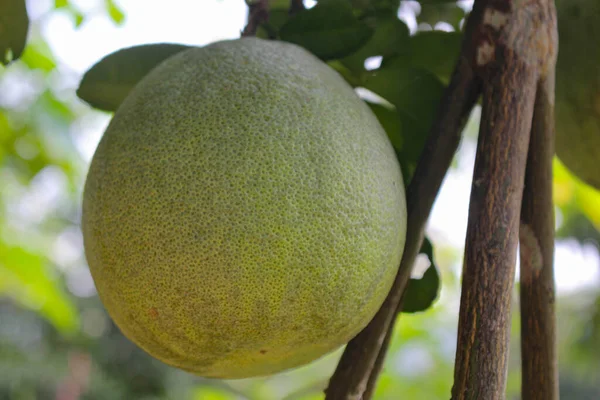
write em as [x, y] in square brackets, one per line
[355, 368]
[258, 13]
[378, 367]
[514, 47]
[538, 320]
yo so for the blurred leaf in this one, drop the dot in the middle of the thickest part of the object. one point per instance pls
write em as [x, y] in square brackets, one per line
[53, 105]
[214, 393]
[14, 25]
[577, 225]
[416, 94]
[71, 9]
[421, 293]
[309, 392]
[414, 137]
[108, 82]
[24, 277]
[329, 30]
[353, 79]
[435, 51]
[279, 14]
[574, 196]
[432, 13]
[391, 123]
[77, 15]
[394, 125]
[385, 6]
[37, 55]
[389, 36]
[414, 91]
[115, 13]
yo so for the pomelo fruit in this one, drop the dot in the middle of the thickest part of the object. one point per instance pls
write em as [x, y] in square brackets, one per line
[578, 88]
[244, 212]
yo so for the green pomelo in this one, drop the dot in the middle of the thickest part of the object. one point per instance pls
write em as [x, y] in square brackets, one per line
[578, 88]
[244, 212]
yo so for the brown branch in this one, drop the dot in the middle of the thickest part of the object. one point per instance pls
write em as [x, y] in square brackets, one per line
[538, 320]
[378, 366]
[492, 236]
[464, 68]
[355, 368]
[514, 46]
[508, 49]
[258, 13]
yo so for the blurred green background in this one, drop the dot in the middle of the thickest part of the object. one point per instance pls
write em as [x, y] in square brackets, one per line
[56, 340]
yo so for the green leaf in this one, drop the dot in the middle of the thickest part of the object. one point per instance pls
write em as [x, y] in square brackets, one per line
[389, 36]
[79, 17]
[416, 94]
[115, 13]
[448, 12]
[14, 25]
[329, 30]
[391, 123]
[109, 81]
[421, 293]
[61, 3]
[370, 7]
[413, 142]
[278, 17]
[216, 391]
[435, 51]
[37, 55]
[24, 277]
[414, 91]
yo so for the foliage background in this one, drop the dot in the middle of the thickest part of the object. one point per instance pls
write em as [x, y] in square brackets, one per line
[57, 342]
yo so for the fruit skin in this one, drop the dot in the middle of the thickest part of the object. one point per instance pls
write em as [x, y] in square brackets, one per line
[244, 212]
[577, 105]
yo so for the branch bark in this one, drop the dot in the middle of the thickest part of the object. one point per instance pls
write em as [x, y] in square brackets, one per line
[507, 46]
[492, 237]
[538, 320]
[515, 45]
[258, 13]
[351, 378]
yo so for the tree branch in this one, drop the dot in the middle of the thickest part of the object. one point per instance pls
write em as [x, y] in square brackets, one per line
[492, 237]
[355, 368]
[258, 13]
[507, 49]
[538, 320]
[513, 51]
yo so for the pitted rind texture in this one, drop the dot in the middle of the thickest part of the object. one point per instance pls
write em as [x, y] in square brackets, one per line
[244, 212]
